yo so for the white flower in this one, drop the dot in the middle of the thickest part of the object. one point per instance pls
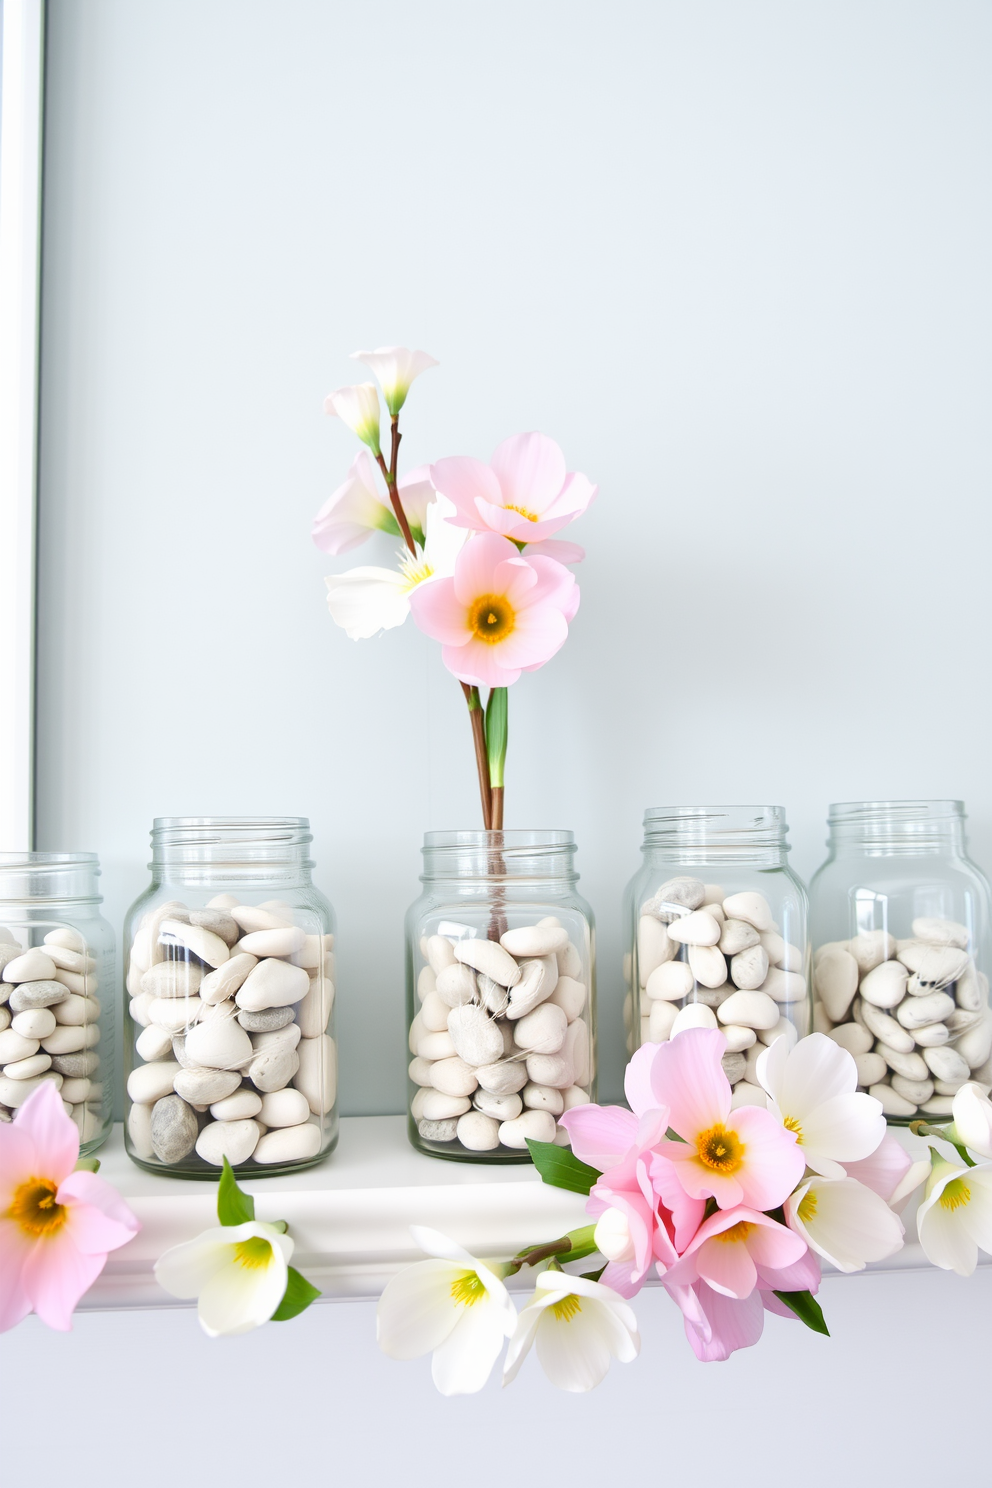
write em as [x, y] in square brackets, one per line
[971, 1118]
[364, 601]
[452, 1305]
[844, 1222]
[396, 367]
[812, 1089]
[612, 1236]
[353, 511]
[237, 1273]
[577, 1325]
[358, 407]
[955, 1216]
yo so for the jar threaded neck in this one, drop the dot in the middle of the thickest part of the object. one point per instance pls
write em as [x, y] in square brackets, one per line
[718, 834]
[518, 854]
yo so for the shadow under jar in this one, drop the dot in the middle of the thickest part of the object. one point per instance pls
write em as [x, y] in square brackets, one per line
[56, 972]
[500, 994]
[717, 935]
[230, 982]
[900, 920]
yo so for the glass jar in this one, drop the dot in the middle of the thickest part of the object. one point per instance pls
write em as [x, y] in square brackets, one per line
[501, 994]
[230, 979]
[717, 935]
[56, 958]
[900, 922]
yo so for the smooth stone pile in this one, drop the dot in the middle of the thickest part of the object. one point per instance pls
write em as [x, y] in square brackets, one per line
[501, 1047]
[914, 1014]
[49, 1026]
[711, 960]
[233, 1003]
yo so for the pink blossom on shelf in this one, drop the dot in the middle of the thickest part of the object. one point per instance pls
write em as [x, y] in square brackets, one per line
[57, 1225]
[728, 1248]
[500, 614]
[524, 493]
[737, 1157]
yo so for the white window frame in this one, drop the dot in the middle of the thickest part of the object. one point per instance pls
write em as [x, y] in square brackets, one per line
[21, 143]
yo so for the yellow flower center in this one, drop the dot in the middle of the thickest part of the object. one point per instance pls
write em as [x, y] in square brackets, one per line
[807, 1206]
[33, 1207]
[414, 573]
[955, 1194]
[566, 1308]
[467, 1288]
[523, 512]
[253, 1253]
[791, 1124]
[720, 1149]
[491, 618]
[737, 1233]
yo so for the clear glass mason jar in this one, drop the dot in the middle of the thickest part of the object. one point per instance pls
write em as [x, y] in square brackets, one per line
[56, 972]
[717, 935]
[501, 994]
[230, 979]
[900, 922]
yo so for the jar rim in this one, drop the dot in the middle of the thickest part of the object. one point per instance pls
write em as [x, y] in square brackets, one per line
[510, 839]
[894, 812]
[35, 861]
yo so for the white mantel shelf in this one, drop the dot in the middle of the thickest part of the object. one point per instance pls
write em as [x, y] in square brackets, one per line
[351, 1215]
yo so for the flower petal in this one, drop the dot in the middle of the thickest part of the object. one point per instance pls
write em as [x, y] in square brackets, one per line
[731, 1323]
[55, 1275]
[18, 1159]
[352, 512]
[54, 1134]
[600, 1135]
[849, 1224]
[557, 548]
[688, 1078]
[15, 1247]
[238, 1298]
[364, 601]
[773, 1161]
[416, 1311]
[464, 481]
[98, 1219]
[883, 1170]
[464, 1361]
[530, 469]
[840, 1129]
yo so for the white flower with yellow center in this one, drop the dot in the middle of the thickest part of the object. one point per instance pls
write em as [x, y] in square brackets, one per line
[813, 1090]
[578, 1326]
[237, 1273]
[844, 1222]
[954, 1220]
[364, 601]
[452, 1306]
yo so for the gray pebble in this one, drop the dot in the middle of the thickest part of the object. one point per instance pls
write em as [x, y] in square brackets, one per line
[216, 920]
[687, 893]
[37, 995]
[76, 1066]
[734, 1066]
[266, 1020]
[174, 1129]
[437, 1131]
[179, 1050]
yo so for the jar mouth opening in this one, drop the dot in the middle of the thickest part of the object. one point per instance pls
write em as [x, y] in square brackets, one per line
[894, 814]
[206, 829]
[35, 862]
[517, 853]
[727, 824]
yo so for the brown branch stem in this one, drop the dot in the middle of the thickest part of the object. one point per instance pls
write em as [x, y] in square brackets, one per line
[389, 475]
[477, 719]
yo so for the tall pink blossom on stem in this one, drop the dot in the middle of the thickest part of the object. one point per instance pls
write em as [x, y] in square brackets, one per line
[57, 1225]
[524, 493]
[500, 614]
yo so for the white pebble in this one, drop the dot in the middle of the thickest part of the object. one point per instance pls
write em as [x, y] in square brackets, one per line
[835, 980]
[893, 1104]
[871, 948]
[452, 1076]
[749, 906]
[534, 940]
[746, 1094]
[871, 1069]
[750, 1009]
[150, 1082]
[317, 1075]
[543, 1098]
[235, 1140]
[477, 1131]
[695, 929]
[749, 968]
[653, 946]
[941, 932]
[784, 986]
[885, 985]
[693, 1015]
[289, 1144]
[708, 965]
[240, 1106]
[738, 1038]
[852, 1037]
[539, 1126]
[33, 966]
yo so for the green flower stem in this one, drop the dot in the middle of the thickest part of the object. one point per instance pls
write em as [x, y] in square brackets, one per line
[571, 1247]
[497, 723]
[945, 1134]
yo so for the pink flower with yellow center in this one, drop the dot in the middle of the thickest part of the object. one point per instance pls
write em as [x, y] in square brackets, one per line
[56, 1225]
[728, 1248]
[524, 493]
[500, 614]
[735, 1157]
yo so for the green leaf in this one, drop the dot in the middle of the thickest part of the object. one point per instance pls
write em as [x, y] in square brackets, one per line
[233, 1206]
[593, 1275]
[559, 1167]
[807, 1310]
[88, 1165]
[296, 1298]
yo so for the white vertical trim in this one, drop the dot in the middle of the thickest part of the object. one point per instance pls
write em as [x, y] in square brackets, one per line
[20, 242]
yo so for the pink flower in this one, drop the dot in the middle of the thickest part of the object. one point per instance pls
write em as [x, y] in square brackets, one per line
[737, 1157]
[56, 1225]
[890, 1172]
[357, 509]
[525, 493]
[728, 1248]
[500, 614]
[717, 1325]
